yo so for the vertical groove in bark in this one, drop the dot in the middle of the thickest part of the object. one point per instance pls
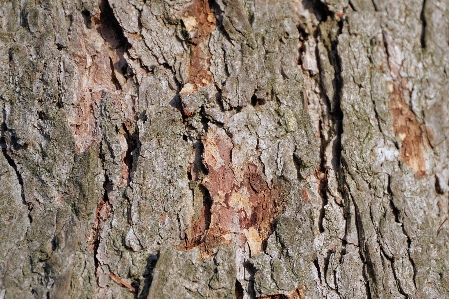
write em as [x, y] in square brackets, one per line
[424, 24]
[12, 163]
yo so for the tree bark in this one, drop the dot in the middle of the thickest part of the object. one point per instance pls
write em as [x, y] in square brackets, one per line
[224, 149]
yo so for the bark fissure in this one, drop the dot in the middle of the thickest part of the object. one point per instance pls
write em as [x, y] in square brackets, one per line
[330, 126]
[148, 276]
[397, 215]
[103, 211]
[110, 28]
[132, 153]
[318, 269]
[12, 163]
[423, 24]
[368, 273]
[391, 260]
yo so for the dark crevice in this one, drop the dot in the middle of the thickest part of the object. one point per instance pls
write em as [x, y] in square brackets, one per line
[320, 10]
[198, 190]
[376, 114]
[199, 169]
[238, 290]
[334, 112]
[251, 270]
[321, 175]
[440, 185]
[148, 276]
[182, 235]
[391, 261]
[336, 118]
[127, 70]
[347, 209]
[143, 116]
[424, 25]
[54, 243]
[219, 15]
[177, 104]
[204, 119]
[207, 205]
[317, 266]
[99, 221]
[12, 163]
[385, 43]
[255, 101]
[102, 213]
[302, 37]
[113, 76]
[219, 98]
[397, 218]
[20, 179]
[330, 41]
[112, 33]
[298, 165]
[376, 7]
[338, 84]
[60, 46]
[110, 28]
[395, 210]
[87, 18]
[352, 6]
[133, 151]
[323, 93]
[368, 270]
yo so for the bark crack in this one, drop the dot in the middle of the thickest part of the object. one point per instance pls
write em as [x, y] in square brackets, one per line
[328, 83]
[397, 214]
[368, 270]
[132, 153]
[424, 25]
[13, 164]
[103, 212]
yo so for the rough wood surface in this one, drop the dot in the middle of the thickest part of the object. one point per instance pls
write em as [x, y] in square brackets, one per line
[224, 149]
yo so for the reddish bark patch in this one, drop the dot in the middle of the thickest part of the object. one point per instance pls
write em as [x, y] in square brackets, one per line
[298, 293]
[199, 22]
[242, 211]
[407, 128]
[197, 231]
[305, 195]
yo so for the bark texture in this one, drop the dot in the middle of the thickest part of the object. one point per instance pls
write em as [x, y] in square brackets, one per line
[224, 149]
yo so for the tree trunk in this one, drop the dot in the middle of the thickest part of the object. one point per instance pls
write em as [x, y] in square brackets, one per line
[224, 149]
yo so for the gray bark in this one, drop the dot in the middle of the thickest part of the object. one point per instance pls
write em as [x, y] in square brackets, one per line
[224, 149]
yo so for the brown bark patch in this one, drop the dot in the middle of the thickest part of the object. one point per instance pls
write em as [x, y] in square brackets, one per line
[199, 22]
[241, 211]
[298, 293]
[407, 128]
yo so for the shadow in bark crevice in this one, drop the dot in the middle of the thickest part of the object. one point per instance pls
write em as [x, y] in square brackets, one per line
[148, 276]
